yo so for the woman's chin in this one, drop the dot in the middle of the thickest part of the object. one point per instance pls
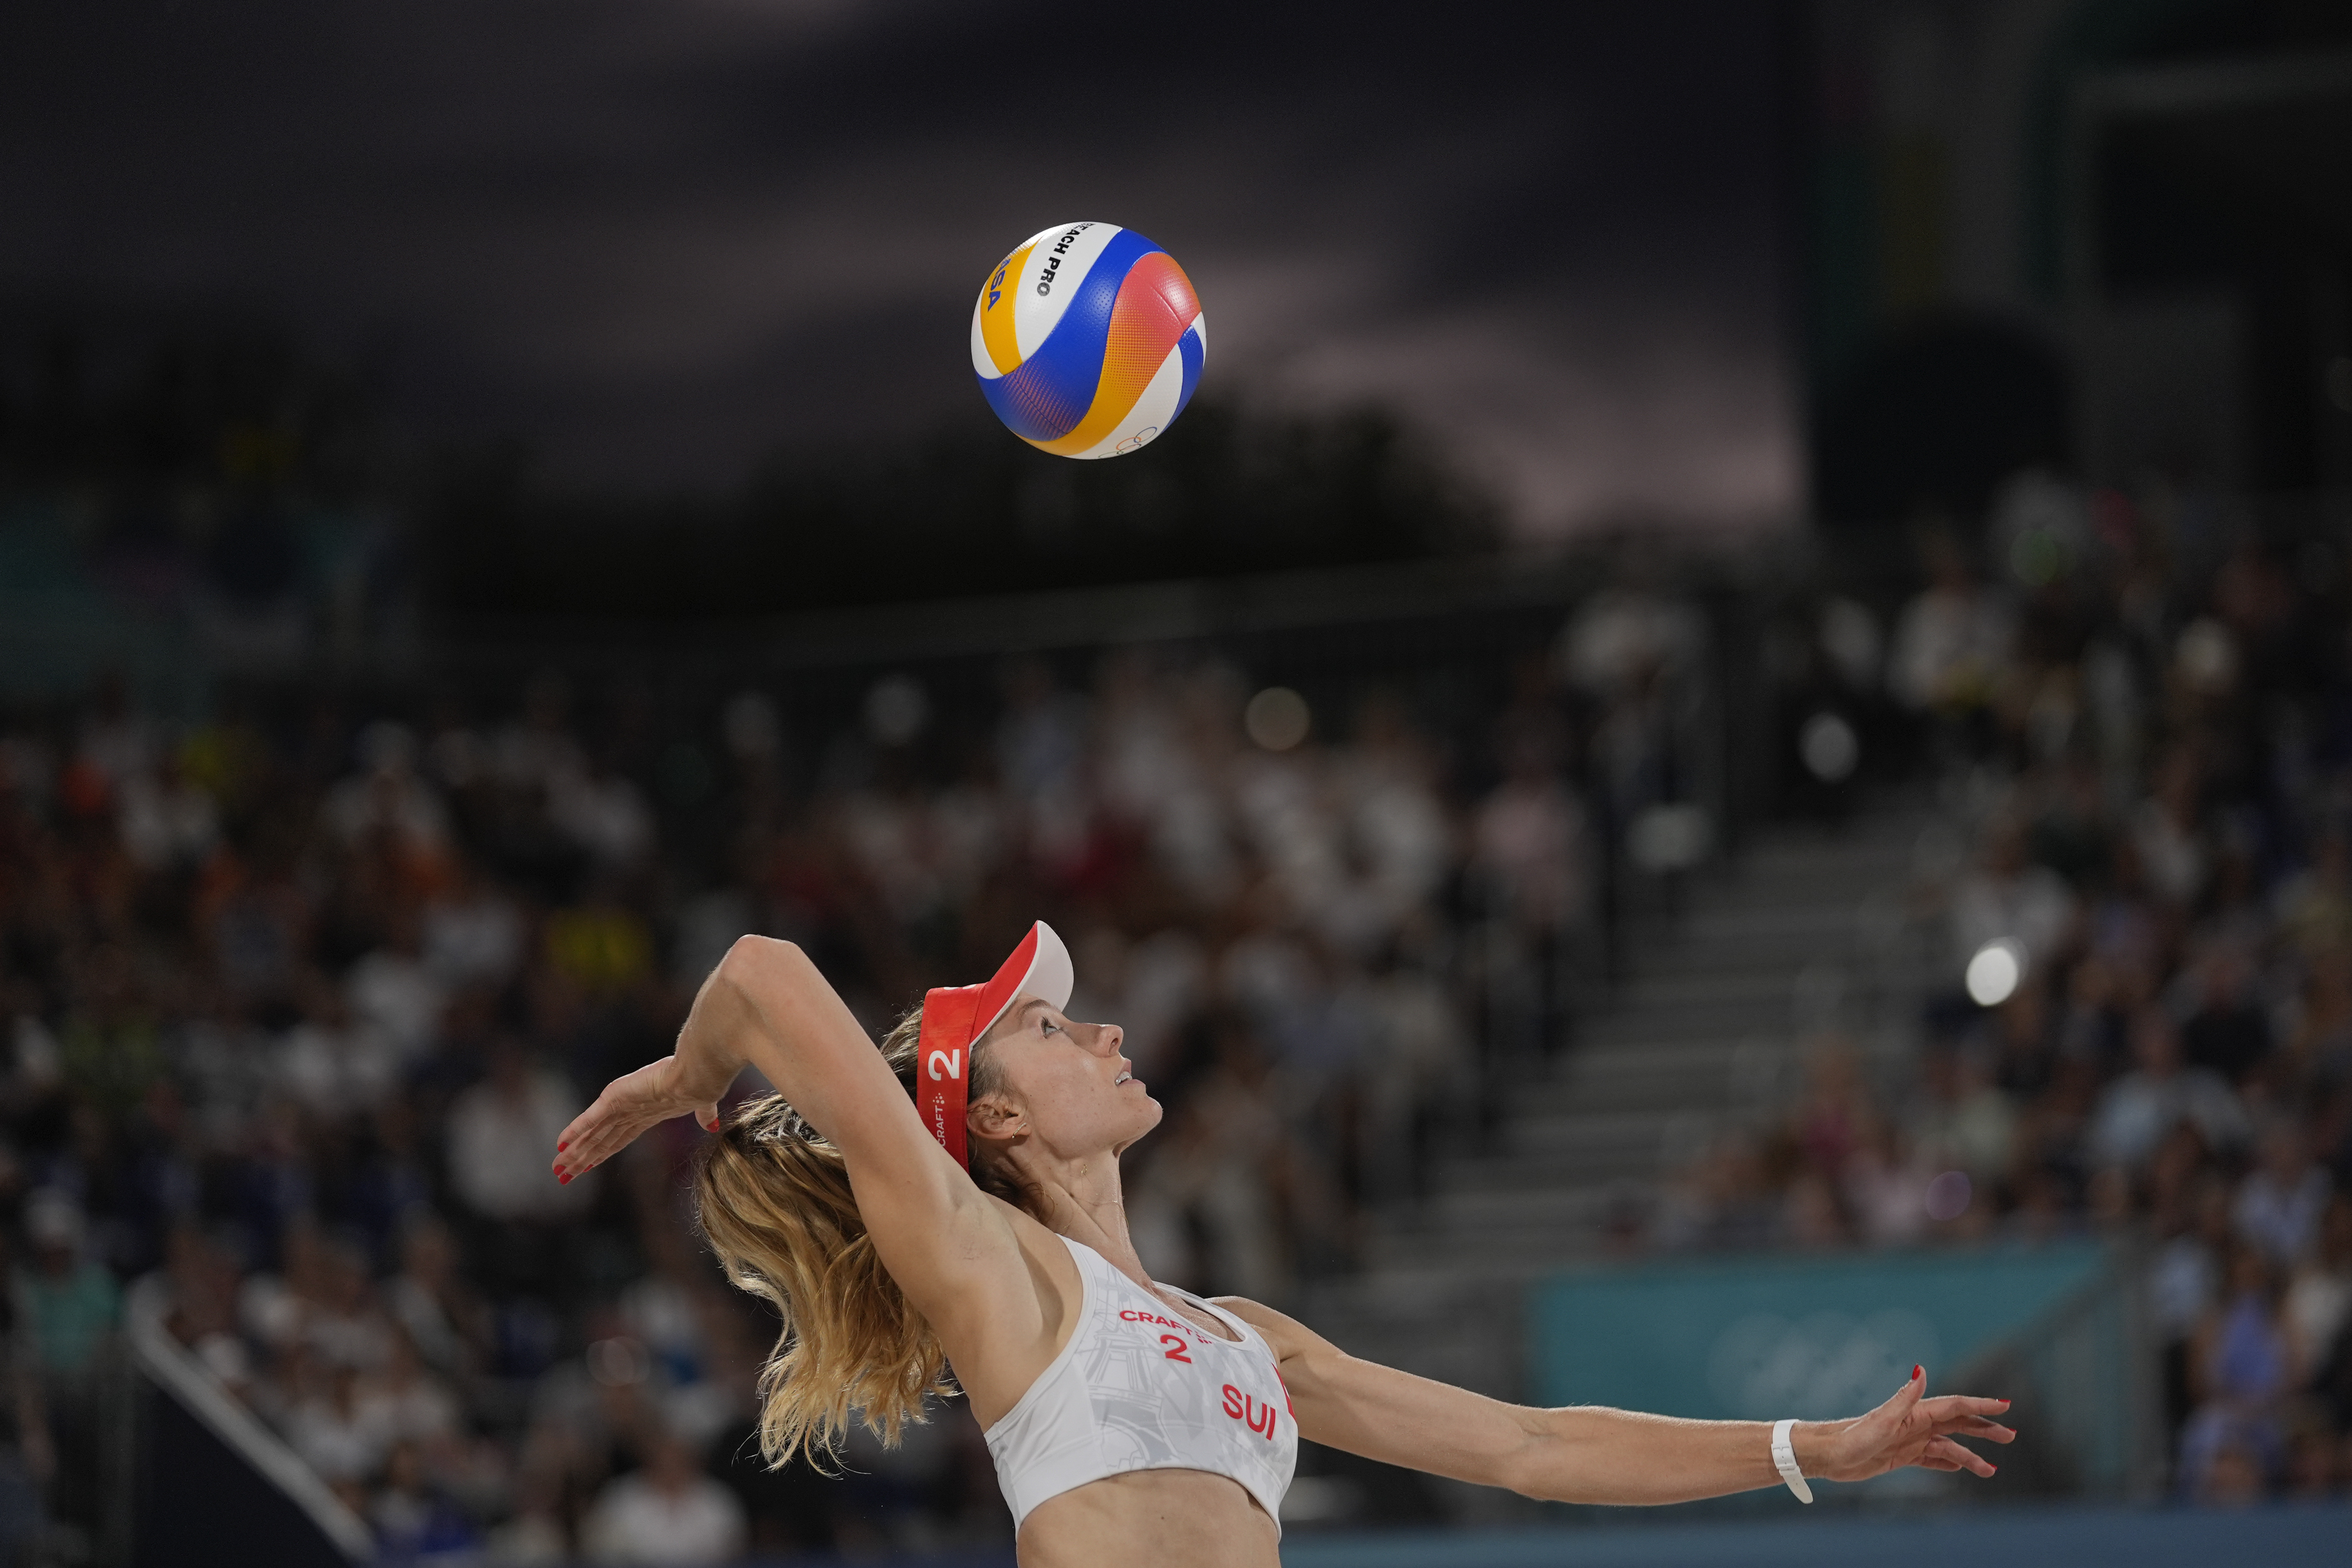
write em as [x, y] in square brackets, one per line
[1149, 1118]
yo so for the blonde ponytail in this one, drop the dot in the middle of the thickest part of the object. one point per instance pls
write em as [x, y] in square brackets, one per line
[776, 1206]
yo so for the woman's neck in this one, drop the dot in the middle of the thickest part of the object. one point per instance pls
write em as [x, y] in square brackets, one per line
[1084, 1201]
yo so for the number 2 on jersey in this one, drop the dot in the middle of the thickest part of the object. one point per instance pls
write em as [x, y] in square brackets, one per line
[1175, 1343]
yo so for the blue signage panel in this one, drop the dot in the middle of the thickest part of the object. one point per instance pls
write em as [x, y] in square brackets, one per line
[1757, 1339]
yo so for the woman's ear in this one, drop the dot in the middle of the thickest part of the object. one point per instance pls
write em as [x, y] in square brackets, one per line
[991, 1117]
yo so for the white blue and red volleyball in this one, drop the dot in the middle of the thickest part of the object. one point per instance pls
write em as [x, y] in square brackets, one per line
[1088, 339]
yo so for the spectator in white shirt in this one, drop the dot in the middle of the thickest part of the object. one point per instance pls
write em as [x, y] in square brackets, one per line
[434, 1307]
[2167, 832]
[500, 1132]
[534, 1536]
[2319, 1297]
[1951, 640]
[402, 1402]
[332, 1432]
[386, 795]
[334, 1064]
[2139, 1108]
[395, 993]
[2009, 898]
[669, 1513]
[2279, 1206]
[472, 933]
[164, 821]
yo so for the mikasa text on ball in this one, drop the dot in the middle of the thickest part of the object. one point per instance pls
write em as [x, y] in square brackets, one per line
[1088, 339]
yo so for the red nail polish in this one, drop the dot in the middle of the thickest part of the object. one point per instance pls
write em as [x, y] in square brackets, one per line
[1915, 1373]
[561, 1144]
[564, 1180]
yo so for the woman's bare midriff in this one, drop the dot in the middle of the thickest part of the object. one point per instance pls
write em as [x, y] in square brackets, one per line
[1152, 1519]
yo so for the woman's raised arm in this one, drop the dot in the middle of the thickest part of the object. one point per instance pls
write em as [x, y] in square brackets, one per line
[1590, 1455]
[767, 1007]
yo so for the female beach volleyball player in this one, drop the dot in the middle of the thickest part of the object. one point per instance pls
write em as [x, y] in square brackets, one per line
[954, 1198]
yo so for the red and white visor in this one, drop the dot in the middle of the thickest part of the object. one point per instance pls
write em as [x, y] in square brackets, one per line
[954, 1017]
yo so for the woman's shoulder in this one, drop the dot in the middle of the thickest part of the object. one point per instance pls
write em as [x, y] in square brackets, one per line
[1285, 1335]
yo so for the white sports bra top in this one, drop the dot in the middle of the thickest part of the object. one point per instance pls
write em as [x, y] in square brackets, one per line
[1138, 1387]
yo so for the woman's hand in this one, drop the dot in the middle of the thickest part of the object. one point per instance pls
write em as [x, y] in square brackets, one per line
[1907, 1430]
[631, 1103]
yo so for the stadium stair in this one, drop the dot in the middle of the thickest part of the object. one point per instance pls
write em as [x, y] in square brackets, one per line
[1804, 932]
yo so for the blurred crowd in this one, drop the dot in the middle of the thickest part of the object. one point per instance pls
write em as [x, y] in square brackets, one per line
[2139, 899]
[302, 993]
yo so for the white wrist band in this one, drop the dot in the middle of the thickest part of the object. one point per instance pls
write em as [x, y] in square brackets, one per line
[1784, 1459]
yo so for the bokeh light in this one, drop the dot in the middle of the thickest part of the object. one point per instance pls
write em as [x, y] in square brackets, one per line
[1994, 972]
[1829, 748]
[1949, 1195]
[1278, 718]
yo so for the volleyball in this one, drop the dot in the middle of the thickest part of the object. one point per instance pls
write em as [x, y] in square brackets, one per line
[1088, 340]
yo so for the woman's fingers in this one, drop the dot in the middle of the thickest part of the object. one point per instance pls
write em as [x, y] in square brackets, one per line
[587, 1155]
[583, 1127]
[1974, 1463]
[1972, 1416]
[1910, 1429]
[588, 1143]
[572, 1146]
[577, 1130]
[611, 1136]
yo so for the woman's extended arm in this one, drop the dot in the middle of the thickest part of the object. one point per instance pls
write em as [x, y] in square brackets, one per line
[1590, 1455]
[767, 1007]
